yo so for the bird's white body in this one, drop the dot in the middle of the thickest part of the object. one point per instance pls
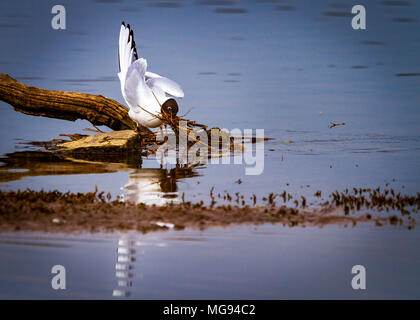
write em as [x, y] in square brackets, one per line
[144, 91]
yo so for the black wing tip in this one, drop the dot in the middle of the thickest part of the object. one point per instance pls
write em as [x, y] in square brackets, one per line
[127, 26]
[131, 36]
[133, 43]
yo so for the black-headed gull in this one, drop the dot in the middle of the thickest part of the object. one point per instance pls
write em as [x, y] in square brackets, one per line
[146, 93]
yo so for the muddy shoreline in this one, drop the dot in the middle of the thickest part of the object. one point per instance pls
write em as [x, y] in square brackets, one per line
[53, 211]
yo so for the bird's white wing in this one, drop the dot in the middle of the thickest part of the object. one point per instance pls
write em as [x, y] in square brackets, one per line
[135, 87]
[164, 84]
[127, 52]
[151, 75]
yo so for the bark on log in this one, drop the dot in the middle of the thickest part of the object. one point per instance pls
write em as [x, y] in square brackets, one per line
[64, 105]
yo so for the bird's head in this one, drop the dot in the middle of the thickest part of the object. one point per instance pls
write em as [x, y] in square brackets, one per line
[170, 107]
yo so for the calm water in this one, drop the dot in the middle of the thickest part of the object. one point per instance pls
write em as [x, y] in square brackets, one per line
[268, 262]
[289, 72]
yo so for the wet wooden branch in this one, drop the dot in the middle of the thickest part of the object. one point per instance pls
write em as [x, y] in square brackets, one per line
[64, 105]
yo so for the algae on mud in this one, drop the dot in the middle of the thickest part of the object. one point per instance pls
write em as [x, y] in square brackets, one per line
[54, 211]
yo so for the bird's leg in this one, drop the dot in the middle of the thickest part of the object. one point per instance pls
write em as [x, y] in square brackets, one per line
[141, 128]
[137, 130]
[161, 130]
[142, 131]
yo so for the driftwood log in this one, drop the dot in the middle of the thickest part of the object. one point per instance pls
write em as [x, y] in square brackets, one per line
[102, 111]
[97, 109]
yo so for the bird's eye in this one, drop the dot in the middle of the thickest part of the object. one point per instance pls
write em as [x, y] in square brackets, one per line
[170, 107]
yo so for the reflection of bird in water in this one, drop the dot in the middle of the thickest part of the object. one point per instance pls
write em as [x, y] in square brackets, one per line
[156, 186]
[149, 186]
